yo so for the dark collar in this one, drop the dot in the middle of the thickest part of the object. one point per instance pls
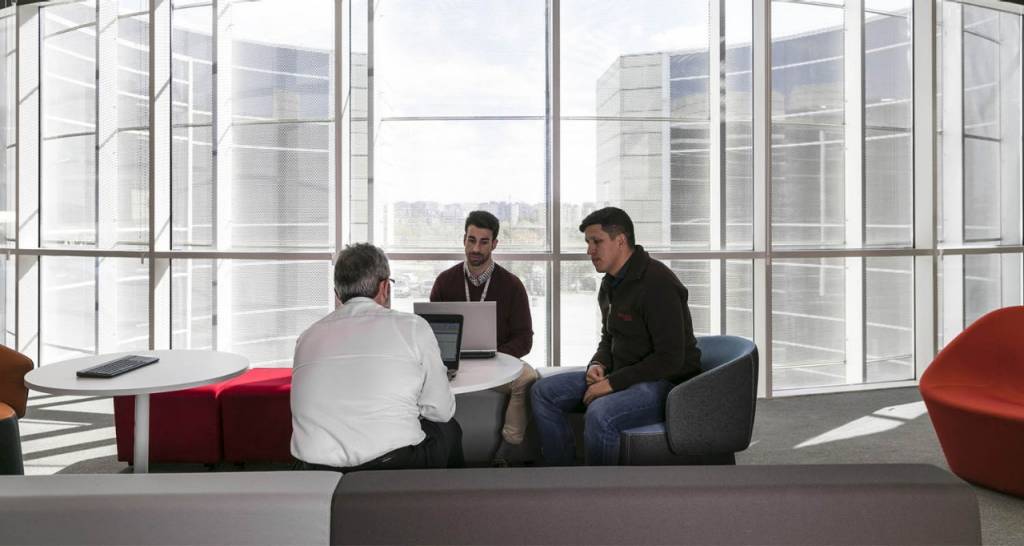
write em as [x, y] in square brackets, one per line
[633, 268]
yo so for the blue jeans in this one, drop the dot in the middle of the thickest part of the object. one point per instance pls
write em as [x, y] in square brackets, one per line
[554, 397]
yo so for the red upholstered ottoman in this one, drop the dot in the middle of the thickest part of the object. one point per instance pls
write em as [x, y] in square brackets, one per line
[257, 416]
[184, 426]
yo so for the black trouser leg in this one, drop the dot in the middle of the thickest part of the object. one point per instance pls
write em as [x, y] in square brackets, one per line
[442, 448]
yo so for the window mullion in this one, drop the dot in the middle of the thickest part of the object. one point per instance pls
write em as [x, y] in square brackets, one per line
[370, 125]
[925, 182]
[160, 222]
[952, 189]
[716, 156]
[106, 182]
[341, 78]
[554, 123]
[854, 189]
[224, 176]
[762, 153]
[27, 300]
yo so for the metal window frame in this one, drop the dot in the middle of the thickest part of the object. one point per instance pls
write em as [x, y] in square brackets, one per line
[554, 175]
[998, 5]
[926, 215]
[160, 165]
[855, 192]
[761, 49]
[717, 89]
[28, 123]
[926, 253]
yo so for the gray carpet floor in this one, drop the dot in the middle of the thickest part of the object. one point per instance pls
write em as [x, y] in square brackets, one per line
[76, 435]
[882, 426]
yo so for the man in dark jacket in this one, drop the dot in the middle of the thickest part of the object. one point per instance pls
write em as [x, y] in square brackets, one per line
[647, 345]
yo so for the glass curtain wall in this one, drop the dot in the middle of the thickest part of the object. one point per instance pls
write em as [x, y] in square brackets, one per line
[8, 133]
[294, 132]
[980, 163]
[8, 172]
[252, 173]
[842, 179]
[456, 122]
[94, 164]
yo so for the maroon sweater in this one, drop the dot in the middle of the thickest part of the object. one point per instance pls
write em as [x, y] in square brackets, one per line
[515, 325]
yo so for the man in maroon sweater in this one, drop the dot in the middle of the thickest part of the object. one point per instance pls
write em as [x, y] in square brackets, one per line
[478, 278]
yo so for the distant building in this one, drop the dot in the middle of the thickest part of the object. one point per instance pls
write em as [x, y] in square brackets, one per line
[657, 166]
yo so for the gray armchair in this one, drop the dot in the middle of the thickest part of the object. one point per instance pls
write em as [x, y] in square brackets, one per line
[707, 418]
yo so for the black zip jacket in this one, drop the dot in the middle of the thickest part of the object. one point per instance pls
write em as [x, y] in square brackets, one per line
[646, 329]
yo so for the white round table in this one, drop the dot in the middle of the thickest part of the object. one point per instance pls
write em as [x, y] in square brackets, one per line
[478, 374]
[176, 370]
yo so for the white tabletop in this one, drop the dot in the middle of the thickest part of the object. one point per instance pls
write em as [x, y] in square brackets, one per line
[477, 374]
[177, 369]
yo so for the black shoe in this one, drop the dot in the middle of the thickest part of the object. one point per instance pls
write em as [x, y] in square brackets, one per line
[507, 455]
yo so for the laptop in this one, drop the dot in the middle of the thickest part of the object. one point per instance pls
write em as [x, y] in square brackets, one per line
[480, 339]
[448, 331]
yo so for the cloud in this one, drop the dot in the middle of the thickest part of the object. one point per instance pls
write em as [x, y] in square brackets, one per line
[684, 36]
[469, 160]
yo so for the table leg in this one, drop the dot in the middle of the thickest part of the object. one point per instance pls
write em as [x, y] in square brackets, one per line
[141, 433]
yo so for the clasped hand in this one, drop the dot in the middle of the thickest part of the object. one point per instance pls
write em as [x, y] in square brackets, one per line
[598, 384]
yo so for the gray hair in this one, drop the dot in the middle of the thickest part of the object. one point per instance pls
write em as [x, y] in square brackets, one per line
[358, 270]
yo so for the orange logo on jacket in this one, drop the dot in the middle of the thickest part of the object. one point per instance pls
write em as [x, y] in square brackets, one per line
[624, 316]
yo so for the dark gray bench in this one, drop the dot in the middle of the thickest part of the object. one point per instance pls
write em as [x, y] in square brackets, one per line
[855, 504]
[817, 504]
[165, 509]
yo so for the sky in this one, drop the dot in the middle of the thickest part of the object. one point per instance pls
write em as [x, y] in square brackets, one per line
[453, 58]
[463, 58]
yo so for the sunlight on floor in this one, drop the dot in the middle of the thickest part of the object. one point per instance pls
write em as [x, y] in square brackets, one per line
[61, 431]
[882, 420]
[56, 463]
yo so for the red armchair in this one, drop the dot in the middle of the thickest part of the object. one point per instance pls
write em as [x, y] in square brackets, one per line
[974, 391]
[13, 403]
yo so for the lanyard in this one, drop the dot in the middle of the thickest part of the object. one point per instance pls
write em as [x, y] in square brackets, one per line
[465, 283]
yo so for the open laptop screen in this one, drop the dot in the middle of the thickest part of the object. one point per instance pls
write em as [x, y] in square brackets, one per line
[479, 321]
[447, 334]
[448, 331]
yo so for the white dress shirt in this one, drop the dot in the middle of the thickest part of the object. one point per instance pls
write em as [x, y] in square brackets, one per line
[363, 376]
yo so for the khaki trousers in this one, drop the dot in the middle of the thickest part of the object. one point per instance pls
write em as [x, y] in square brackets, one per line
[516, 416]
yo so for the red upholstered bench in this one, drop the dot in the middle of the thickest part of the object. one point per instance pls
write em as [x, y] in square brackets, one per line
[184, 426]
[257, 417]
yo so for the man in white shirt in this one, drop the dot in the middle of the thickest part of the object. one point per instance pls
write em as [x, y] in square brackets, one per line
[369, 389]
